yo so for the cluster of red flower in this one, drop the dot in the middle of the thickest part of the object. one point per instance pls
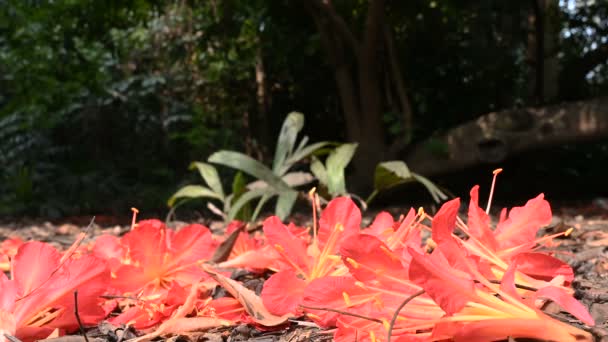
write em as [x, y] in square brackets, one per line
[476, 284]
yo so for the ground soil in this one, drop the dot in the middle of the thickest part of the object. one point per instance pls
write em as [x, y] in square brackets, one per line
[586, 250]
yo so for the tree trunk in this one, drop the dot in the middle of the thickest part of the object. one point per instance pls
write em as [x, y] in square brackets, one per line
[359, 77]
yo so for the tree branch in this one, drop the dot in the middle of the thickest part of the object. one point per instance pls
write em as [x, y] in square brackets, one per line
[399, 83]
[326, 9]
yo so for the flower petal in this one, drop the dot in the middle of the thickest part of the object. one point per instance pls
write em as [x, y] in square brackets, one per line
[283, 293]
[543, 267]
[445, 285]
[479, 221]
[343, 211]
[566, 301]
[523, 223]
[368, 258]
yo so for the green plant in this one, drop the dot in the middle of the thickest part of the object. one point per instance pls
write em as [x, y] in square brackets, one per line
[393, 173]
[331, 174]
[276, 181]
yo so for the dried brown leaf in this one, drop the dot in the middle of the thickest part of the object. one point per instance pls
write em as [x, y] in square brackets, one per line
[250, 301]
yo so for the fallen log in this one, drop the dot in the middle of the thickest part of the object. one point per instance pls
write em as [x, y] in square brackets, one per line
[494, 137]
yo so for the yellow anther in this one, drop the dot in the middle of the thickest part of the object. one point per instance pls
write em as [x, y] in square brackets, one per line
[360, 284]
[569, 231]
[497, 171]
[312, 191]
[352, 262]
[339, 227]
[279, 248]
[389, 253]
[313, 316]
[385, 324]
[335, 258]
[346, 298]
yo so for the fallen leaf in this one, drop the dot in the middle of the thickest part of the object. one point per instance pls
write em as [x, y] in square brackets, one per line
[250, 301]
[225, 248]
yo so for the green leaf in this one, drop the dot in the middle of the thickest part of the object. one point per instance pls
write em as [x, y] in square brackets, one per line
[250, 166]
[193, 191]
[239, 187]
[210, 175]
[293, 124]
[244, 199]
[391, 173]
[318, 169]
[260, 205]
[435, 192]
[336, 162]
[300, 154]
[285, 203]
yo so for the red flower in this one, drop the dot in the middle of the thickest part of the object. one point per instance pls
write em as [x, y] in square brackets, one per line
[283, 291]
[40, 297]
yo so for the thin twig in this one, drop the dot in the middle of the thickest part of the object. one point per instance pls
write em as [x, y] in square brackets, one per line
[11, 338]
[519, 286]
[345, 313]
[121, 297]
[396, 314]
[80, 326]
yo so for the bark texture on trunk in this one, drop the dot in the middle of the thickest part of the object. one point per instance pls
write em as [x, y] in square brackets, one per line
[363, 80]
[496, 136]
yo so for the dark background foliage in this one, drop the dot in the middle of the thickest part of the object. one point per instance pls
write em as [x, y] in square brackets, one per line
[103, 104]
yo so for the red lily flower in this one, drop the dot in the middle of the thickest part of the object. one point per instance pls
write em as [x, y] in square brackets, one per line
[305, 263]
[153, 267]
[479, 310]
[496, 250]
[40, 296]
[152, 256]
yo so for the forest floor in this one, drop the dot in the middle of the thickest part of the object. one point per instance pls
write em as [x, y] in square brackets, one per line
[586, 250]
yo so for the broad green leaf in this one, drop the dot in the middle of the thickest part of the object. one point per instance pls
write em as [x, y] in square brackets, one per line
[336, 162]
[435, 192]
[244, 199]
[209, 174]
[391, 173]
[193, 191]
[287, 138]
[318, 169]
[300, 154]
[285, 203]
[250, 166]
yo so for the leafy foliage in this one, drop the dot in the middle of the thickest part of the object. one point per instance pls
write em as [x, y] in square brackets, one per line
[103, 101]
[277, 181]
[390, 174]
